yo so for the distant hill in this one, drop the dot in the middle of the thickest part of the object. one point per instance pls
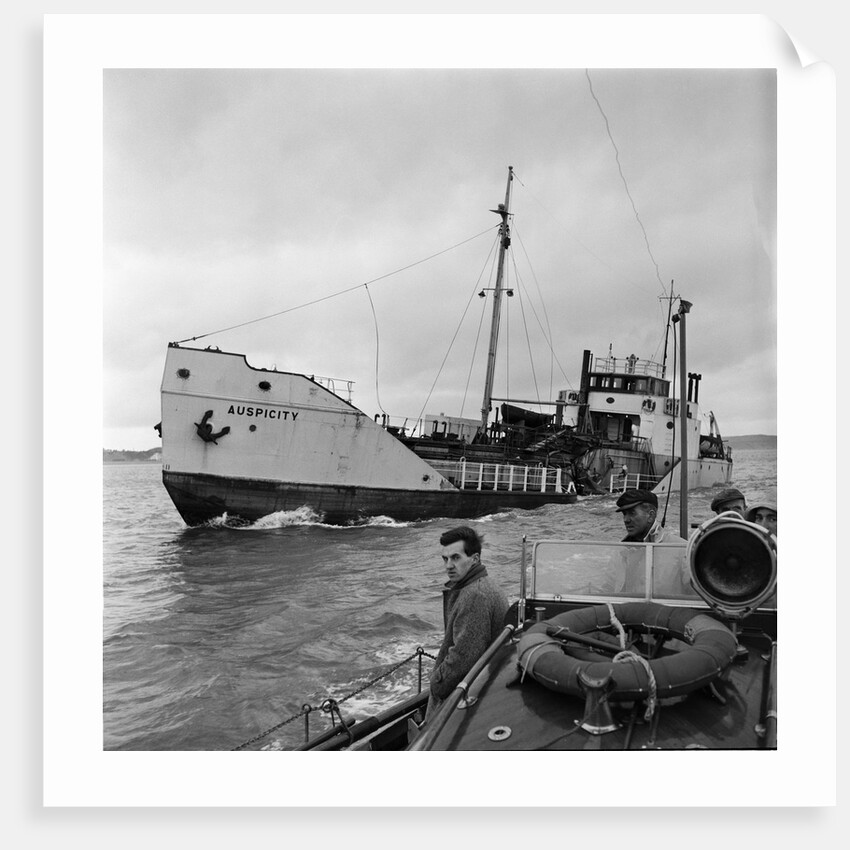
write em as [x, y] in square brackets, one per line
[752, 441]
[124, 456]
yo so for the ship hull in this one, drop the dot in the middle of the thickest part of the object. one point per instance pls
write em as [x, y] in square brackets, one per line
[249, 442]
[201, 498]
[702, 472]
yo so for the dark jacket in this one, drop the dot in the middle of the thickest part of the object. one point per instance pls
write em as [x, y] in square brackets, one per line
[474, 612]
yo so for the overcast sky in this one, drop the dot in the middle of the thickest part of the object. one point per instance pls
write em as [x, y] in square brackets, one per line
[232, 195]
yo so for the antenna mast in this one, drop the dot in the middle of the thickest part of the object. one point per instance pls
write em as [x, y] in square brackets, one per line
[667, 332]
[684, 309]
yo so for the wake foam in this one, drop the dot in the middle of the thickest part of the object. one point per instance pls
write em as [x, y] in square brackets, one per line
[300, 517]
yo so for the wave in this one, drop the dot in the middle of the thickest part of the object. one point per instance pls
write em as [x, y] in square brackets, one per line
[300, 517]
[495, 516]
[284, 519]
[392, 623]
[379, 521]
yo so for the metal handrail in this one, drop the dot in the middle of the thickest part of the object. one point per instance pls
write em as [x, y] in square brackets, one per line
[625, 366]
[633, 480]
[435, 726]
[330, 385]
[513, 478]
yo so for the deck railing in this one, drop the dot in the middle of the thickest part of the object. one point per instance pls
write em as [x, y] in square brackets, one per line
[341, 387]
[628, 366]
[633, 481]
[497, 476]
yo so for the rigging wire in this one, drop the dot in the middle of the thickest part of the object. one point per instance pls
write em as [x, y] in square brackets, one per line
[377, 348]
[566, 228]
[457, 330]
[545, 314]
[665, 296]
[547, 334]
[335, 294]
[625, 183]
[528, 345]
[546, 337]
[474, 352]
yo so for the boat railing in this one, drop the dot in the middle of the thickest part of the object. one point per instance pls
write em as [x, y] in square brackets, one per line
[460, 695]
[496, 476]
[628, 366]
[633, 481]
[341, 387]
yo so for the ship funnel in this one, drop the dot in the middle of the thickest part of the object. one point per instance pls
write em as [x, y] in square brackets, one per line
[732, 564]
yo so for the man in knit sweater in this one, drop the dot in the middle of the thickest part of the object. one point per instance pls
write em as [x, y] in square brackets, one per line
[474, 610]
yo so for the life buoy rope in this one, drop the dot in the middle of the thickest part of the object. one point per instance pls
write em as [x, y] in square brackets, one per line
[652, 696]
[711, 648]
[621, 632]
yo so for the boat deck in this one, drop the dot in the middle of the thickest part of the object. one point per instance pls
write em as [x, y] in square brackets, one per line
[505, 713]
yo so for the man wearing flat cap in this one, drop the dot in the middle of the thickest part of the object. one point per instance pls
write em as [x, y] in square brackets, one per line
[640, 509]
[730, 499]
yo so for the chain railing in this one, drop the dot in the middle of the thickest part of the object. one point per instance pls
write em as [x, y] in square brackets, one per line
[329, 705]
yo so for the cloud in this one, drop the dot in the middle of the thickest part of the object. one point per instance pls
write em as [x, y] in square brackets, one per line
[235, 195]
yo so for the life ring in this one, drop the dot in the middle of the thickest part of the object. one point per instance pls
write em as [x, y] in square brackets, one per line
[711, 649]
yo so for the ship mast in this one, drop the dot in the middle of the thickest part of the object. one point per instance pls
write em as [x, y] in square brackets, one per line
[504, 242]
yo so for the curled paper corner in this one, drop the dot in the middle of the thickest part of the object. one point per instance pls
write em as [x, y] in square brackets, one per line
[792, 48]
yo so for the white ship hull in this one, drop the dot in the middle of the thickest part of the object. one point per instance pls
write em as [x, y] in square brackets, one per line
[249, 442]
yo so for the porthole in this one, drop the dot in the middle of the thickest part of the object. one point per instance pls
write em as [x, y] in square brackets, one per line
[265, 386]
[183, 373]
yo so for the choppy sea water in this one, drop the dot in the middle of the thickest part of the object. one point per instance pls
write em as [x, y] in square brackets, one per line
[215, 635]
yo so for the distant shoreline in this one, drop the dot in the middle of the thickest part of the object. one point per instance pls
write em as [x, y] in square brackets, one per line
[126, 456]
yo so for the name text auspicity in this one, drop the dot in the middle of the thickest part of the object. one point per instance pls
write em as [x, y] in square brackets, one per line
[262, 412]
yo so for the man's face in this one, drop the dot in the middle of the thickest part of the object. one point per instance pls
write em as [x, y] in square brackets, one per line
[457, 562]
[638, 519]
[766, 518]
[737, 505]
